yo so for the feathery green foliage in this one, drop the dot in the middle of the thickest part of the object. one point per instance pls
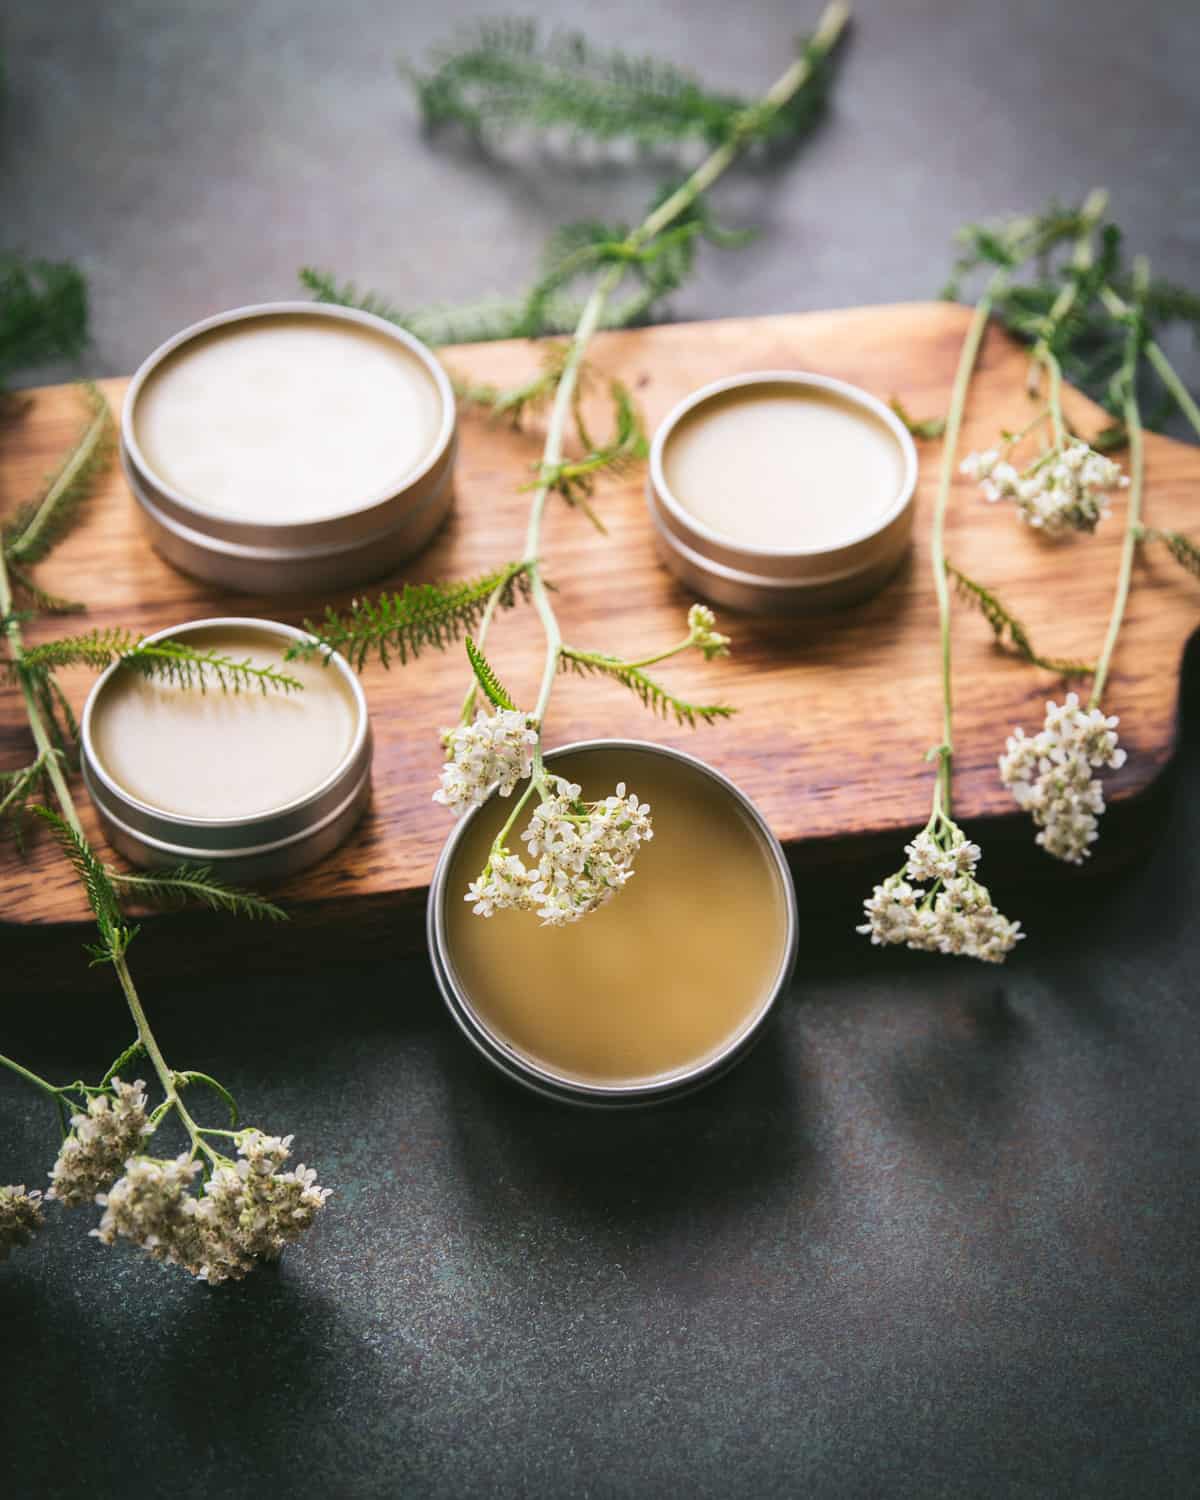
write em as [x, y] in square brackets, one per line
[485, 675]
[1088, 340]
[176, 887]
[19, 789]
[502, 74]
[43, 313]
[514, 403]
[38, 527]
[1185, 552]
[40, 601]
[420, 615]
[575, 479]
[173, 661]
[1008, 628]
[115, 933]
[652, 694]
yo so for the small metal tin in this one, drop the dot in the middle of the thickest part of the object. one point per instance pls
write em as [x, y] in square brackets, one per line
[349, 546]
[542, 1080]
[782, 580]
[264, 846]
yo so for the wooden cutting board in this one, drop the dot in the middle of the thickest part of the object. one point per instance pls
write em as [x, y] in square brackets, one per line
[835, 713]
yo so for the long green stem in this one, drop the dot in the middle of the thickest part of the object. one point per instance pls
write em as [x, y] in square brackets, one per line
[958, 401]
[1133, 524]
[28, 1076]
[1162, 365]
[829, 29]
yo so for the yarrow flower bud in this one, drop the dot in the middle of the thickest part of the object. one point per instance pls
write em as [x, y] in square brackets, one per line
[701, 622]
[248, 1212]
[584, 853]
[1062, 490]
[496, 750]
[1050, 775]
[101, 1141]
[21, 1216]
[955, 915]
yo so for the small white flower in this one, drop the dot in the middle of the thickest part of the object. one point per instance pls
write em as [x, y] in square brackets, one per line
[701, 622]
[21, 1216]
[1065, 489]
[954, 915]
[1050, 775]
[101, 1140]
[495, 751]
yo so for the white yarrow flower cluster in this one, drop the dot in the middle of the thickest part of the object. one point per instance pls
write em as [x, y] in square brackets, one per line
[248, 1212]
[584, 854]
[954, 915]
[21, 1216]
[703, 634]
[495, 751]
[101, 1140]
[1064, 490]
[1051, 775]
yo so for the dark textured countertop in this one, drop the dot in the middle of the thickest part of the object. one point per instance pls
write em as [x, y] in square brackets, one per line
[937, 1237]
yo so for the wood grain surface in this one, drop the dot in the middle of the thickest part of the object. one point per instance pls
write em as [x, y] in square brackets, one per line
[835, 713]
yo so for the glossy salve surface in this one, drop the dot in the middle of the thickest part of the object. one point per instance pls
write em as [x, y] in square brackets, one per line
[670, 973]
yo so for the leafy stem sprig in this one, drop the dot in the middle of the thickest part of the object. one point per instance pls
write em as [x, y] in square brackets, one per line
[248, 1209]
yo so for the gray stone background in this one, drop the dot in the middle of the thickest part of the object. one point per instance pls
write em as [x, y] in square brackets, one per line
[938, 1236]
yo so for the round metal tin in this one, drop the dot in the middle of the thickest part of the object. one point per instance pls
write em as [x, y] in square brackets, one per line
[781, 579]
[265, 846]
[542, 1080]
[348, 546]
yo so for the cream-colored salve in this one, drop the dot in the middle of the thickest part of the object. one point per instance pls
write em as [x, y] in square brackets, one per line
[220, 755]
[664, 977]
[783, 466]
[287, 418]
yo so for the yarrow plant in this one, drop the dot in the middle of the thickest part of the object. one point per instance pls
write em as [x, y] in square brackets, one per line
[1095, 320]
[933, 902]
[577, 852]
[1064, 488]
[212, 1214]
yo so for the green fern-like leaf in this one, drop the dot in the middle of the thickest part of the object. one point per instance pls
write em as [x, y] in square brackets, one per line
[1007, 628]
[513, 404]
[43, 313]
[40, 600]
[925, 428]
[195, 883]
[575, 479]
[651, 693]
[115, 933]
[421, 615]
[479, 322]
[38, 528]
[173, 661]
[502, 74]
[18, 791]
[493, 689]
[1185, 552]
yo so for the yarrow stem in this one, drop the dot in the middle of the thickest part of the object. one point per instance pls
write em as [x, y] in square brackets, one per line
[829, 29]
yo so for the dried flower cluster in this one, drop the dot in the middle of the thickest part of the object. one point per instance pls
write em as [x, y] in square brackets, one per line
[1051, 776]
[495, 751]
[703, 634]
[953, 915]
[584, 853]
[1065, 489]
[248, 1210]
[113, 1129]
[21, 1216]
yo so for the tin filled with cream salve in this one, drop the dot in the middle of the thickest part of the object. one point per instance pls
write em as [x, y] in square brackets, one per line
[782, 491]
[257, 784]
[662, 989]
[290, 446]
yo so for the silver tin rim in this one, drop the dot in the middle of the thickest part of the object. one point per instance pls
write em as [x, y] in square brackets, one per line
[403, 483]
[150, 835]
[608, 1096]
[852, 393]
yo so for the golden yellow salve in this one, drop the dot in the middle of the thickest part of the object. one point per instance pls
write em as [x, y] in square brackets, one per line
[670, 972]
